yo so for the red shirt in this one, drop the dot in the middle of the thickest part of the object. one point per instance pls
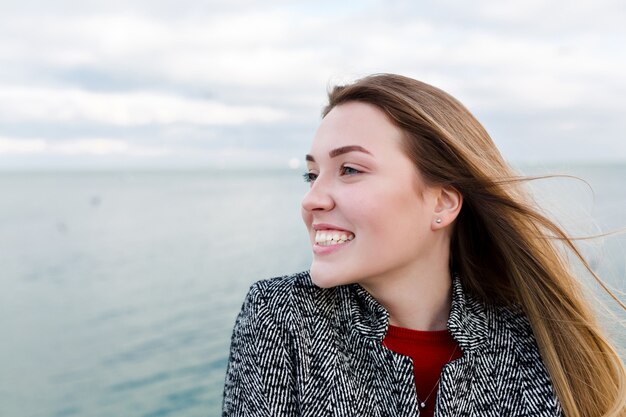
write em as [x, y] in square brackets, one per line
[430, 351]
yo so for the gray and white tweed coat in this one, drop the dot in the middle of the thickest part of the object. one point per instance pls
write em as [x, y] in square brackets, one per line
[299, 350]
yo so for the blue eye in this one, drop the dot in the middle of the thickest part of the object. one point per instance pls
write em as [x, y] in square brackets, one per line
[349, 171]
[344, 170]
[309, 176]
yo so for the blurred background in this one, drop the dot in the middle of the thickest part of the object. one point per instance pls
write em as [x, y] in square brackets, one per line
[151, 155]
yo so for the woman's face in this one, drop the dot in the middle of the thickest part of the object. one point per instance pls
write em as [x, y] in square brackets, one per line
[368, 212]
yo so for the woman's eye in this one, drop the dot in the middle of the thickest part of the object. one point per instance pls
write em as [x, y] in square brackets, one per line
[349, 171]
[309, 176]
[344, 170]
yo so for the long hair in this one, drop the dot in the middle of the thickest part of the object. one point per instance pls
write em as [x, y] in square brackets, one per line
[504, 249]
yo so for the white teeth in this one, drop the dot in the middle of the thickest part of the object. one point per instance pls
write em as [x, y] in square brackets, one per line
[326, 237]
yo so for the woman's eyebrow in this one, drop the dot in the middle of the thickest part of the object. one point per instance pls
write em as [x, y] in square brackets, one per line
[339, 151]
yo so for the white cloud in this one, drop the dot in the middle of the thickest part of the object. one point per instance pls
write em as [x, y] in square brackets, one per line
[128, 67]
[22, 146]
[26, 104]
[92, 147]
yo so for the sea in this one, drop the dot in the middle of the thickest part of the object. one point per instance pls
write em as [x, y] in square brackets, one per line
[119, 289]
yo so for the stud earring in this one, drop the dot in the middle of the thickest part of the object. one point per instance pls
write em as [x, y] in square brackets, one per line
[438, 220]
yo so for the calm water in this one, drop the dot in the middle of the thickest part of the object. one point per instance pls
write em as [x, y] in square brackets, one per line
[119, 290]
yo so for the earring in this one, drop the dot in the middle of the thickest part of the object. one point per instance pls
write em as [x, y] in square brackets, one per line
[438, 220]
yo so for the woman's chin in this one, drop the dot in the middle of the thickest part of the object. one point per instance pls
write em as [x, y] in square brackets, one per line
[325, 278]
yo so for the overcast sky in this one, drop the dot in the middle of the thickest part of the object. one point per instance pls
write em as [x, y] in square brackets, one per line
[197, 83]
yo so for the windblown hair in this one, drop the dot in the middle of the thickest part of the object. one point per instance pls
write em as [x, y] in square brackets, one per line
[504, 249]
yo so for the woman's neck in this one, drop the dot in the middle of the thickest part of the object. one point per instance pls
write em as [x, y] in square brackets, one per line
[417, 301]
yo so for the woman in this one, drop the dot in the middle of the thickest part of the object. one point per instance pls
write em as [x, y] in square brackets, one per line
[435, 287]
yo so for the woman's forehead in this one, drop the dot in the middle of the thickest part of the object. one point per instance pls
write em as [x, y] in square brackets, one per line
[356, 124]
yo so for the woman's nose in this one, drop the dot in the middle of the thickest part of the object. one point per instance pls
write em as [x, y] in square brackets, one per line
[318, 198]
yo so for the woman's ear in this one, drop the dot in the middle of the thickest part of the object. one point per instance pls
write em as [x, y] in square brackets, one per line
[447, 207]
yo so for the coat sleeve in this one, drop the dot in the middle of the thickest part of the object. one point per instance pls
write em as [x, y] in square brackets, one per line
[259, 378]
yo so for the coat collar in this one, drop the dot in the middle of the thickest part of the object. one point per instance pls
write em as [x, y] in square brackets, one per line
[365, 315]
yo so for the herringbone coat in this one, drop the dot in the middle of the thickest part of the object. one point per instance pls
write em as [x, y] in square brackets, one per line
[299, 350]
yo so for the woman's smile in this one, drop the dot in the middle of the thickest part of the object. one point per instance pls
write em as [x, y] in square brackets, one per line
[331, 238]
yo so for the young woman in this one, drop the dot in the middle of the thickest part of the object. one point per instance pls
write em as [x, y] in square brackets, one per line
[435, 287]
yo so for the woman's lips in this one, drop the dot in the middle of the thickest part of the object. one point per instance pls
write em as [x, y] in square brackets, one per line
[330, 238]
[328, 226]
[328, 249]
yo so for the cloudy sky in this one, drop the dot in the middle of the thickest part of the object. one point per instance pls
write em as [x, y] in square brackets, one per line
[240, 83]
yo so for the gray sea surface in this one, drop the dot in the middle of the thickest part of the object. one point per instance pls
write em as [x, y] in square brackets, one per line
[120, 289]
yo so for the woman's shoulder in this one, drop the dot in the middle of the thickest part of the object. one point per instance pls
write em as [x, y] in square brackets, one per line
[291, 295]
[512, 320]
[284, 282]
[283, 288]
[510, 326]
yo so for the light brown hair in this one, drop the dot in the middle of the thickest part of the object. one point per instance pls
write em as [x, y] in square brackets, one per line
[504, 249]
